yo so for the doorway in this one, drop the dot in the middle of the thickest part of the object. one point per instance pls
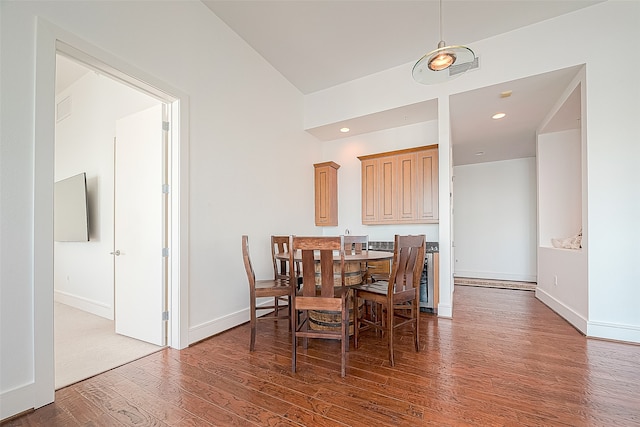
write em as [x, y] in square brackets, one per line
[84, 271]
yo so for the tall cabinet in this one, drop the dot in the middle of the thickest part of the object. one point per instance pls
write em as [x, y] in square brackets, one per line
[326, 193]
[400, 186]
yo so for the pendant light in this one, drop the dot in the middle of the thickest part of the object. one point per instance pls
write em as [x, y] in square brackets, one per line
[435, 66]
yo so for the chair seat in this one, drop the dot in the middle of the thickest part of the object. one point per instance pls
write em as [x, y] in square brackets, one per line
[275, 287]
[376, 287]
[338, 291]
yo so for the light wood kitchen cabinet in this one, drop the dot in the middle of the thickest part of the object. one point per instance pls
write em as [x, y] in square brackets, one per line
[326, 193]
[370, 190]
[427, 185]
[400, 187]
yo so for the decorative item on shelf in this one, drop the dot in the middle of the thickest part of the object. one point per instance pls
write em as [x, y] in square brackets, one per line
[444, 63]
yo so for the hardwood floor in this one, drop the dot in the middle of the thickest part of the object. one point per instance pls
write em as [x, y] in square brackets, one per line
[505, 359]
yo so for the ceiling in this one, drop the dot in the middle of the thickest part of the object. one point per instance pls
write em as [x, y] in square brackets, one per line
[316, 44]
[319, 44]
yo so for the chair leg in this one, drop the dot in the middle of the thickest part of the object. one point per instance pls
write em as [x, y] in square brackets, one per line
[252, 324]
[345, 337]
[356, 319]
[294, 339]
[290, 312]
[416, 316]
[390, 331]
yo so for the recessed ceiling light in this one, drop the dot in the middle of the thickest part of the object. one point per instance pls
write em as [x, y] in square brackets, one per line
[344, 130]
[505, 94]
[480, 153]
[498, 116]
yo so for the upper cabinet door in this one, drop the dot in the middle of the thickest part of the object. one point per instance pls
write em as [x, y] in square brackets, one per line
[427, 173]
[326, 193]
[387, 177]
[370, 190]
[407, 194]
[400, 187]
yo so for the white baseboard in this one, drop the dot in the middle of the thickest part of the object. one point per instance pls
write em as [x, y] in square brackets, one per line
[445, 310]
[496, 276]
[576, 320]
[221, 324]
[84, 304]
[15, 401]
[614, 331]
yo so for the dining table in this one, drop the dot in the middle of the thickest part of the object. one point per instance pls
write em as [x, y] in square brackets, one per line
[327, 320]
[352, 262]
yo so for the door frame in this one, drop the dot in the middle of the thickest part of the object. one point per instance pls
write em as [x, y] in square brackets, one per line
[52, 40]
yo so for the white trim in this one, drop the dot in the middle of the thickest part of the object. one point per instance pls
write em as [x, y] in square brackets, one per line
[445, 310]
[613, 331]
[221, 324]
[50, 38]
[13, 401]
[570, 315]
[216, 326]
[84, 304]
[496, 276]
[177, 102]
[179, 239]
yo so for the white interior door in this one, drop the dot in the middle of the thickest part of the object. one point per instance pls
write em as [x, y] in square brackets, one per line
[139, 224]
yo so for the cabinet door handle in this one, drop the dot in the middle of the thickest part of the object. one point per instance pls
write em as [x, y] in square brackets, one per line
[116, 253]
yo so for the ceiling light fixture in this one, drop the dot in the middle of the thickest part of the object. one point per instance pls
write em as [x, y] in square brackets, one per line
[344, 130]
[434, 67]
[497, 116]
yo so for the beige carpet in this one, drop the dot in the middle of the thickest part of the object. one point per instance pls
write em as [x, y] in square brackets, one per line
[86, 345]
[488, 283]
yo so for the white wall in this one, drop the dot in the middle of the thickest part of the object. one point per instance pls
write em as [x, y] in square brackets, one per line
[560, 183]
[562, 212]
[612, 134]
[494, 220]
[83, 271]
[246, 138]
[243, 134]
[345, 152]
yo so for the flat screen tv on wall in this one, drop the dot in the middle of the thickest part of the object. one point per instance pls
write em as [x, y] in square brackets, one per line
[70, 210]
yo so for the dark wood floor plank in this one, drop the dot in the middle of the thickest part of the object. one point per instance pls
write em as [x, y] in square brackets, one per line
[169, 388]
[84, 412]
[504, 359]
[160, 408]
[116, 406]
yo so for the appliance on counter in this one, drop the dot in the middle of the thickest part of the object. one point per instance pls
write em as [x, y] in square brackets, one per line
[426, 280]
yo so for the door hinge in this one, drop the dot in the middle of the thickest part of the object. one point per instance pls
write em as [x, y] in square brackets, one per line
[165, 252]
[165, 126]
[165, 315]
[165, 188]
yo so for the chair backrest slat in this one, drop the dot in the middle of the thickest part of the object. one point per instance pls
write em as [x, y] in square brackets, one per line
[408, 261]
[280, 244]
[355, 244]
[318, 253]
[247, 262]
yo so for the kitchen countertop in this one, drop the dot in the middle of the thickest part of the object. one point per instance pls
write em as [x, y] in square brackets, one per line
[431, 247]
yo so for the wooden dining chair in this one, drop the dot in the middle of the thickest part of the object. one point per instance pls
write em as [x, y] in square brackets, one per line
[277, 288]
[356, 245]
[279, 245]
[399, 297]
[319, 293]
